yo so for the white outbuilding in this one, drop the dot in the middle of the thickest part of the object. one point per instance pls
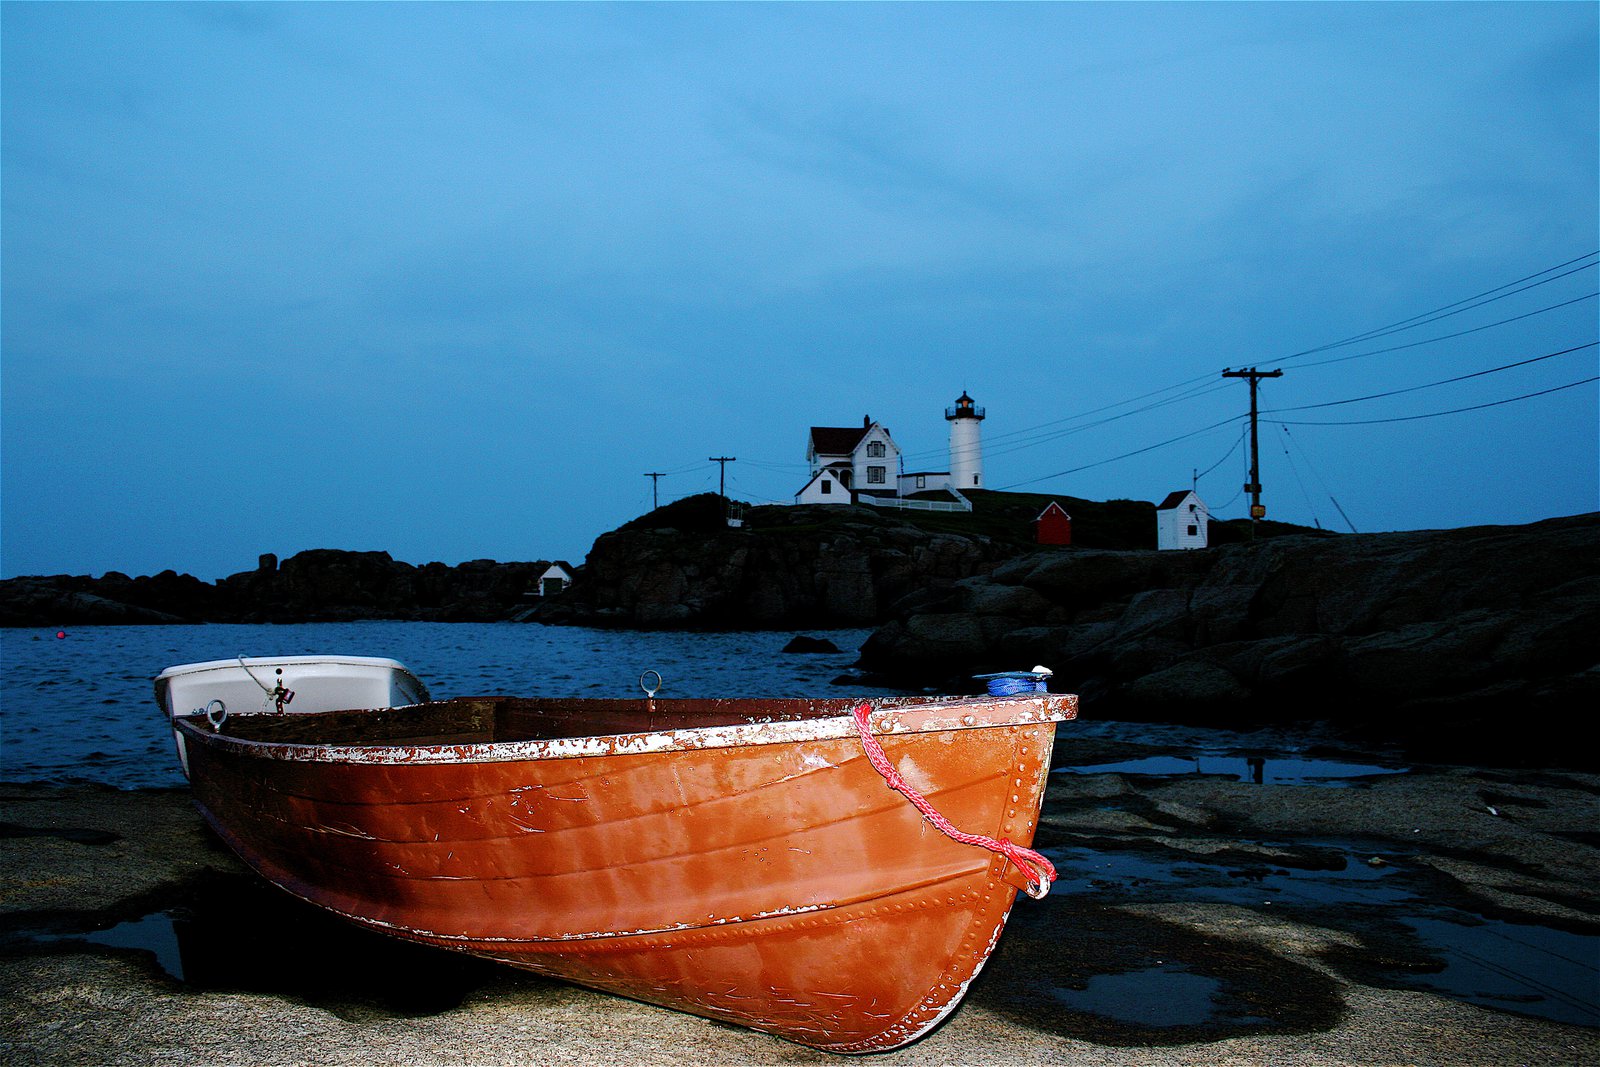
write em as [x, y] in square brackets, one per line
[1181, 521]
[555, 578]
[825, 487]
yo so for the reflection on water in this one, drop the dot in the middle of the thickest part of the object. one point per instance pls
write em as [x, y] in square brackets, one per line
[1520, 967]
[1262, 770]
[1162, 996]
[151, 933]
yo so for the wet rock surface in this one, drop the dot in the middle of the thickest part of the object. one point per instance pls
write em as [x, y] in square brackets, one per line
[1201, 918]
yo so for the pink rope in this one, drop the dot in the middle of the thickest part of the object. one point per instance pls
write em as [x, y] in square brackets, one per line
[1039, 871]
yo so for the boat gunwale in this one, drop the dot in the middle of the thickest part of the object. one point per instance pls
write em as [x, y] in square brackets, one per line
[319, 658]
[890, 716]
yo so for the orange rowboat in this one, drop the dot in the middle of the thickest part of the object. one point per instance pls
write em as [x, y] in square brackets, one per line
[739, 859]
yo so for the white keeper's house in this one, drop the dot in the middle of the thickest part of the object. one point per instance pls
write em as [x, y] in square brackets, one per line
[862, 465]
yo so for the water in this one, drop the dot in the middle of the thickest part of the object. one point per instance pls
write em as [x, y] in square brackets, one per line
[1289, 770]
[81, 708]
[1517, 966]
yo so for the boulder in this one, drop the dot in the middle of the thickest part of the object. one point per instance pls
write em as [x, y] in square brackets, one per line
[786, 567]
[1458, 626]
[803, 644]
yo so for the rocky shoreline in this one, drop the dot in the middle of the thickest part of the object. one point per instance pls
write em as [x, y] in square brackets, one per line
[1469, 642]
[319, 585]
[1298, 977]
[1472, 642]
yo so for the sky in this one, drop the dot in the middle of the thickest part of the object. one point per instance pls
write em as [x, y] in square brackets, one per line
[449, 280]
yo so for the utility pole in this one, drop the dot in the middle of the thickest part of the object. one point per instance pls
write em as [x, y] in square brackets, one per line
[655, 481]
[1253, 487]
[722, 479]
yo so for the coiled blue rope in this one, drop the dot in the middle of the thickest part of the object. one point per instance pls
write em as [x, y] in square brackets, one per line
[1011, 683]
[1009, 687]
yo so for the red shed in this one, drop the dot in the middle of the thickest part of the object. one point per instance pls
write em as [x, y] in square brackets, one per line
[1053, 526]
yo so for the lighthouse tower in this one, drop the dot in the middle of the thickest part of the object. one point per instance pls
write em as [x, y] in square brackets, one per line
[966, 443]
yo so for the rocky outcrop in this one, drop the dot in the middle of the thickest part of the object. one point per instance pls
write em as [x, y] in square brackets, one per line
[1476, 627]
[321, 585]
[790, 567]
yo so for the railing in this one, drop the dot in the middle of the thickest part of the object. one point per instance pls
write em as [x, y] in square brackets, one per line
[961, 503]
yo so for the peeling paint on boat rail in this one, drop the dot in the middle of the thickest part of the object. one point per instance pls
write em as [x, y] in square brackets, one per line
[767, 726]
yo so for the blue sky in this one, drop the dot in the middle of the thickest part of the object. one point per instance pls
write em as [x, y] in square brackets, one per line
[448, 280]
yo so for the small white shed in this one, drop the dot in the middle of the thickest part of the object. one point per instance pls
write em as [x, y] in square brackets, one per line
[825, 487]
[1181, 521]
[555, 578]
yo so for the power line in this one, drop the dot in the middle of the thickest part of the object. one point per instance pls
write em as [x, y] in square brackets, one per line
[1507, 289]
[1031, 436]
[1430, 385]
[1035, 438]
[1437, 414]
[774, 465]
[1312, 467]
[1299, 480]
[1126, 455]
[686, 468]
[1029, 430]
[1446, 310]
[741, 490]
[1231, 449]
[1056, 435]
[1450, 336]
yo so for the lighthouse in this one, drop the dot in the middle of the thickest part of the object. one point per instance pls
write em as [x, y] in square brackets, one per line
[966, 443]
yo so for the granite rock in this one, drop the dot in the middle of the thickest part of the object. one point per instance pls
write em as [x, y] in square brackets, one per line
[1455, 627]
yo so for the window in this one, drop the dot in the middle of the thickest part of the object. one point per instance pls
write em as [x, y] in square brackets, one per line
[827, 487]
[874, 449]
[875, 475]
[974, 479]
[922, 481]
[1194, 531]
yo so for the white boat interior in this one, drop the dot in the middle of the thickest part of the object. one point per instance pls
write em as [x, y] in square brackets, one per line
[287, 684]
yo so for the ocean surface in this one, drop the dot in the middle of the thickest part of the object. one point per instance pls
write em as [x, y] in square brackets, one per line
[80, 707]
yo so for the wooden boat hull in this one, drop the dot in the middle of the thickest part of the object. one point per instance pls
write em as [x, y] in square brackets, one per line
[760, 873]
